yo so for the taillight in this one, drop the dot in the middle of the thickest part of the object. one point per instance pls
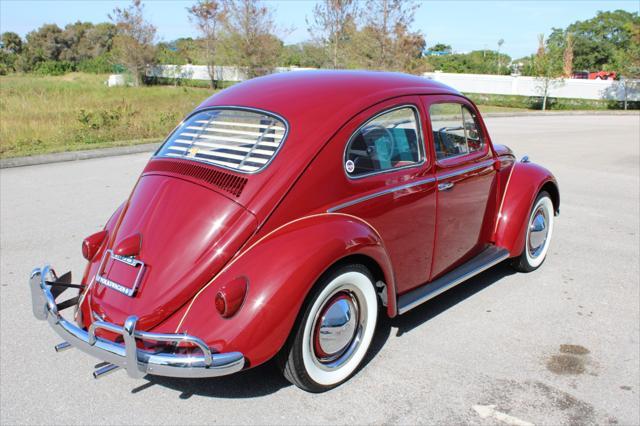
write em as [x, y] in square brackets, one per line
[92, 243]
[230, 297]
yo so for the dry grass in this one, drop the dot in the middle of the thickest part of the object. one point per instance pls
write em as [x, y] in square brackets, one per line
[78, 111]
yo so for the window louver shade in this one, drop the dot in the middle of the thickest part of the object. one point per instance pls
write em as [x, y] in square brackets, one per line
[235, 139]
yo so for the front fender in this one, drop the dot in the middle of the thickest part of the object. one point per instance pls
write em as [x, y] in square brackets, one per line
[280, 268]
[525, 182]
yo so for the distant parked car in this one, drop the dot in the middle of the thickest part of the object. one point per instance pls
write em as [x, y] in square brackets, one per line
[600, 75]
[284, 214]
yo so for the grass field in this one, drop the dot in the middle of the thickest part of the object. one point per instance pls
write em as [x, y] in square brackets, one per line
[78, 111]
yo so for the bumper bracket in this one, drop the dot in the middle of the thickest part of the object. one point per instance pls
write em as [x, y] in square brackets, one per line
[197, 363]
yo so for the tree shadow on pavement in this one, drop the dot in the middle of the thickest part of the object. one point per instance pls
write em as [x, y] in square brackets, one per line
[267, 378]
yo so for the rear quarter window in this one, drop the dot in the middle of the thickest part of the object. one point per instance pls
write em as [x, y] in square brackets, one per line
[390, 140]
[236, 139]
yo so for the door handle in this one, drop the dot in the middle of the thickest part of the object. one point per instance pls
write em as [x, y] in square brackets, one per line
[445, 186]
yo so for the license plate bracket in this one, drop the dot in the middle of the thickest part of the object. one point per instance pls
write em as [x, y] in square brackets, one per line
[115, 271]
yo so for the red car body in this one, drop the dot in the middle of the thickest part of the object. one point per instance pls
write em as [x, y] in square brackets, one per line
[269, 236]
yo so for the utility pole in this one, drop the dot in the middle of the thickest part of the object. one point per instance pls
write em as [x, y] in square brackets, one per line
[500, 43]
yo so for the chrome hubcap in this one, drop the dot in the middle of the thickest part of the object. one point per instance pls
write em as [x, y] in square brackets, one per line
[337, 328]
[538, 231]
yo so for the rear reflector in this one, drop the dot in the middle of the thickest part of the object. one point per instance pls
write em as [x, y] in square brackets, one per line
[230, 297]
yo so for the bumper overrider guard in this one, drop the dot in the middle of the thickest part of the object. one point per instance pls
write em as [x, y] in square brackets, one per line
[199, 363]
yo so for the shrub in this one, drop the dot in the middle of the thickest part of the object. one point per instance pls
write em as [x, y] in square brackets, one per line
[535, 102]
[53, 68]
[98, 65]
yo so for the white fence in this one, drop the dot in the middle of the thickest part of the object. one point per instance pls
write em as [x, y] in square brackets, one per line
[200, 72]
[530, 86]
[466, 83]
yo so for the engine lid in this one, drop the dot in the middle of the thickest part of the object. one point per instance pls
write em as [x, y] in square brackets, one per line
[181, 234]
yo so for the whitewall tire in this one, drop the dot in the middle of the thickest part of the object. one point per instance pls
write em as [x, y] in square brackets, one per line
[335, 330]
[538, 234]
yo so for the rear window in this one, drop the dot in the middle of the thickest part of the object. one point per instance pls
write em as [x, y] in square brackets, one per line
[236, 139]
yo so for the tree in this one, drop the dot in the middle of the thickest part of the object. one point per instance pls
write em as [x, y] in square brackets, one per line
[44, 44]
[441, 47]
[408, 48]
[597, 40]
[333, 22]
[386, 27]
[98, 40]
[74, 48]
[11, 42]
[10, 48]
[133, 45]
[627, 63]
[547, 70]
[306, 54]
[567, 56]
[250, 41]
[476, 62]
[208, 16]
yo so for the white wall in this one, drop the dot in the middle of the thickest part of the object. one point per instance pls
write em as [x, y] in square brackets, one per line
[530, 86]
[466, 83]
[199, 72]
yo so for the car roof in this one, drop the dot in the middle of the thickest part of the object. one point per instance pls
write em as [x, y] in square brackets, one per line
[323, 92]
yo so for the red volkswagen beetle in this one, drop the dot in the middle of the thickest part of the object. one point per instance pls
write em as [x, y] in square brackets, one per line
[284, 214]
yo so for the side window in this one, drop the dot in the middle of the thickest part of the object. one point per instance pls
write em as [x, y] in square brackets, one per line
[388, 141]
[455, 130]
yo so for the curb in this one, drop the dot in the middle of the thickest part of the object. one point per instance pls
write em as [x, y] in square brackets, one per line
[560, 113]
[59, 157]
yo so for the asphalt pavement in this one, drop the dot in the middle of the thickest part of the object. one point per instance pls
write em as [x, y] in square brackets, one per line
[559, 346]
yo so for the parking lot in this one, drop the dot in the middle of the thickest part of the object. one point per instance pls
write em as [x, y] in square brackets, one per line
[559, 346]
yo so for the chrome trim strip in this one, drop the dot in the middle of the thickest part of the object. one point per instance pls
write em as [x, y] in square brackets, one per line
[455, 173]
[442, 284]
[420, 142]
[504, 196]
[380, 193]
[137, 362]
[478, 166]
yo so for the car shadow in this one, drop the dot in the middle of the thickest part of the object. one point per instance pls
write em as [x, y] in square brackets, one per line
[434, 307]
[267, 378]
[262, 380]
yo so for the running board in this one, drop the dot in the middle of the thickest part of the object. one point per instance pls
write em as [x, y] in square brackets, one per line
[489, 257]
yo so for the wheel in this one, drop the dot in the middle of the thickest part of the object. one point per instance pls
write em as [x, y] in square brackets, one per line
[335, 330]
[538, 237]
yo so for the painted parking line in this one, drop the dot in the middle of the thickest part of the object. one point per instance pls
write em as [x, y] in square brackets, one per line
[486, 411]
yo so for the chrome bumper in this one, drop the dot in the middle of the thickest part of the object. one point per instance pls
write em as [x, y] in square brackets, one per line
[137, 362]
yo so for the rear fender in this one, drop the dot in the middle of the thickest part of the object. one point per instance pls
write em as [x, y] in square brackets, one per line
[280, 268]
[525, 183]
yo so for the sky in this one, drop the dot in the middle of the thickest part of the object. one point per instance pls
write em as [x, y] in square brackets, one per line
[465, 25]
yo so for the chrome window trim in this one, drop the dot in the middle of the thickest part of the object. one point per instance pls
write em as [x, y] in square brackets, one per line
[380, 193]
[477, 166]
[420, 142]
[237, 108]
